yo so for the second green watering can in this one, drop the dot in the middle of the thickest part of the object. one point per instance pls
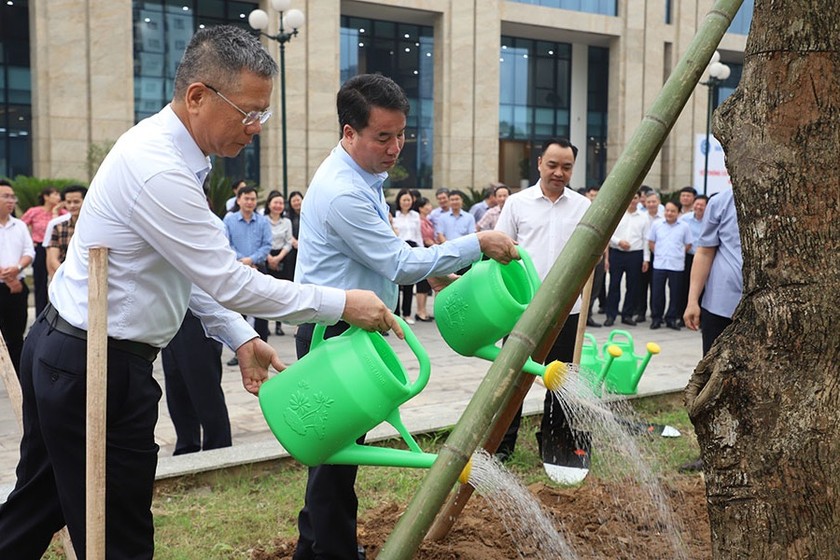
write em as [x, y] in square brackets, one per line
[483, 305]
[345, 386]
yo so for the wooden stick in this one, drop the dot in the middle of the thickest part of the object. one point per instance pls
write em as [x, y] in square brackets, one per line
[12, 384]
[458, 500]
[97, 397]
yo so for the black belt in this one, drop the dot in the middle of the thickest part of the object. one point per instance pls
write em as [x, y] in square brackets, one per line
[139, 349]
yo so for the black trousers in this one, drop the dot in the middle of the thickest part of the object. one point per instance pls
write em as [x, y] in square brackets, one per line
[50, 487]
[406, 293]
[554, 419]
[674, 279]
[711, 326]
[327, 522]
[192, 368]
[624, 263]
[14, 312]
[39, 278]
[686, 282]
[598, 286]
[645, 293]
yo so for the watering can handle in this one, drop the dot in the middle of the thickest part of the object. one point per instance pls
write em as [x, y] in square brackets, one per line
[528, 263]
[421, 355]
[318, 334]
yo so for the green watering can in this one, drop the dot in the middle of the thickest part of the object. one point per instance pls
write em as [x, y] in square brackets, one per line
[593, 367]
[482, 307]
[627, 369]
[345, 386]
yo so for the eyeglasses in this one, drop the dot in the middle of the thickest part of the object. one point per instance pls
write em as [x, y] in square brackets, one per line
[250, 117]
[9, 197]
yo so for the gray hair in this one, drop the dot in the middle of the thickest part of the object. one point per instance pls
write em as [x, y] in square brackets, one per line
[218, 55]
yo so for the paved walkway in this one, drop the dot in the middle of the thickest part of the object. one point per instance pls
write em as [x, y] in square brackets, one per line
[453, 381]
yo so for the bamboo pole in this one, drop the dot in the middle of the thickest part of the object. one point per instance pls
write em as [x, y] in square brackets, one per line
[97, 396]
[555, 297]
[458, 499]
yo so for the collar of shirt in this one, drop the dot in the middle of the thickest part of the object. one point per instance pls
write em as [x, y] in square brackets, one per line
[193, 156]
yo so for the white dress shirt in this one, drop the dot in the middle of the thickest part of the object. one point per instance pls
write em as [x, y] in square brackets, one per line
[633, 228]
[541, 226]
[147, 206]
[408, 227]
[15, 242]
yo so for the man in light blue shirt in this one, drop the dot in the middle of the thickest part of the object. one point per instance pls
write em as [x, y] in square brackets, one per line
[456, 223]
[249, 234]
[717, 270]
[346, 241]
[669, 240]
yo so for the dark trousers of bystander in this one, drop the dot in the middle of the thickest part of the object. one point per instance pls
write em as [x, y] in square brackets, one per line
[628, 263]
[674, 280]
[192, 368]
[50, 488]
[711, 326]
[39, 278]
[327, 522]
[686, 281]
[14, 312]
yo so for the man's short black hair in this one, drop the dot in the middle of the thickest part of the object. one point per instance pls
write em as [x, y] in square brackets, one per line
[458, 193]
[73, 188]
[562, 142]
[442, 190]
[361, 93]
[246, 190]
[691, 190]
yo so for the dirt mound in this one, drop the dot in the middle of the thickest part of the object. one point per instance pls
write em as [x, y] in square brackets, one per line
[600, 520]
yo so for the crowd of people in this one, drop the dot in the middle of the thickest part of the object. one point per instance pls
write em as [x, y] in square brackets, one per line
[184, 282]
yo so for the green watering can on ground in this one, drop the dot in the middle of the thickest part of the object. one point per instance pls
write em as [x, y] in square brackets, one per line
[482, 307]
[344, 387]
[626, 369]
[593, 366]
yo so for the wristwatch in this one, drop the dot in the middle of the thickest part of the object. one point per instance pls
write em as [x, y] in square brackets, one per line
[20, 267]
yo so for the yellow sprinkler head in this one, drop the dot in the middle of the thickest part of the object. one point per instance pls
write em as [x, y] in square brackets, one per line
[614, 351]
[555, 375]
[464, 477]
[653, 348]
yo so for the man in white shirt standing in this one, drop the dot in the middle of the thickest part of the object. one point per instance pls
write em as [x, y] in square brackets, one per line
[16, 253]
[541, 219]
[146, 204]
[630, 256]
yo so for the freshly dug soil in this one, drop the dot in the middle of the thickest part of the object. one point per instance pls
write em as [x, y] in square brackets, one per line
[599, 518]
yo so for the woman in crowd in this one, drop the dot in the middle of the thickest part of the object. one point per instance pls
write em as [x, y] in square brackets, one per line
[427, 232]
[406, 224]
[37, 219]
[281, 241]
[293, 213]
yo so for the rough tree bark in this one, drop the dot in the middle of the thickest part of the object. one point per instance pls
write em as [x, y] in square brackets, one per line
[765, 402]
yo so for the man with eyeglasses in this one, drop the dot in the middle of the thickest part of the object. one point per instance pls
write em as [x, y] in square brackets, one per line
[146, 204]
[16, 253]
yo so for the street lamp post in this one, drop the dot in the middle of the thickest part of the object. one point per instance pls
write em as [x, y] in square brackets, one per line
[293, 19]
[718, 73]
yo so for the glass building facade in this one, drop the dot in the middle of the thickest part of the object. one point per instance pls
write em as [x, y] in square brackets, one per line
[604, 7]
[15, 90]
[534, 102]
[405, 53]
[162, 30]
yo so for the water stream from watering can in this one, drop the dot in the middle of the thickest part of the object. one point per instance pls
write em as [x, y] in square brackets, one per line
[620, 455]
[623, 456]
[530, 527]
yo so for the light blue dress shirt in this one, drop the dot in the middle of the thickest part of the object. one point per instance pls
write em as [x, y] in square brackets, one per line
[251, 239]
[696, 227]
[453, 227]
[346, 240]
[670, 240]
[720, 229]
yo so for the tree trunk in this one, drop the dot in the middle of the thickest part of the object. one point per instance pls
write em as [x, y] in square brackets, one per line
[765, 401]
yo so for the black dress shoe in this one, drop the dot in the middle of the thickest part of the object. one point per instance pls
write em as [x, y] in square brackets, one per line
[609, 322]
[672, 325]
[680, 323]
[640, 319]
[428, 319]
[278, 330]
[655, 325]
[591, 323]
[628, 321]
[233, 361]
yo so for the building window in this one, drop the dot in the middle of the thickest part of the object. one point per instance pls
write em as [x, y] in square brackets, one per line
[15, 90]
[534, 101]
[405, 53]
[597, 98]
[162, 30]
[604, 7]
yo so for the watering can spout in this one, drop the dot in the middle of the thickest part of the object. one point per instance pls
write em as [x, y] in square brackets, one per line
[652, 349]
[356, 454]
